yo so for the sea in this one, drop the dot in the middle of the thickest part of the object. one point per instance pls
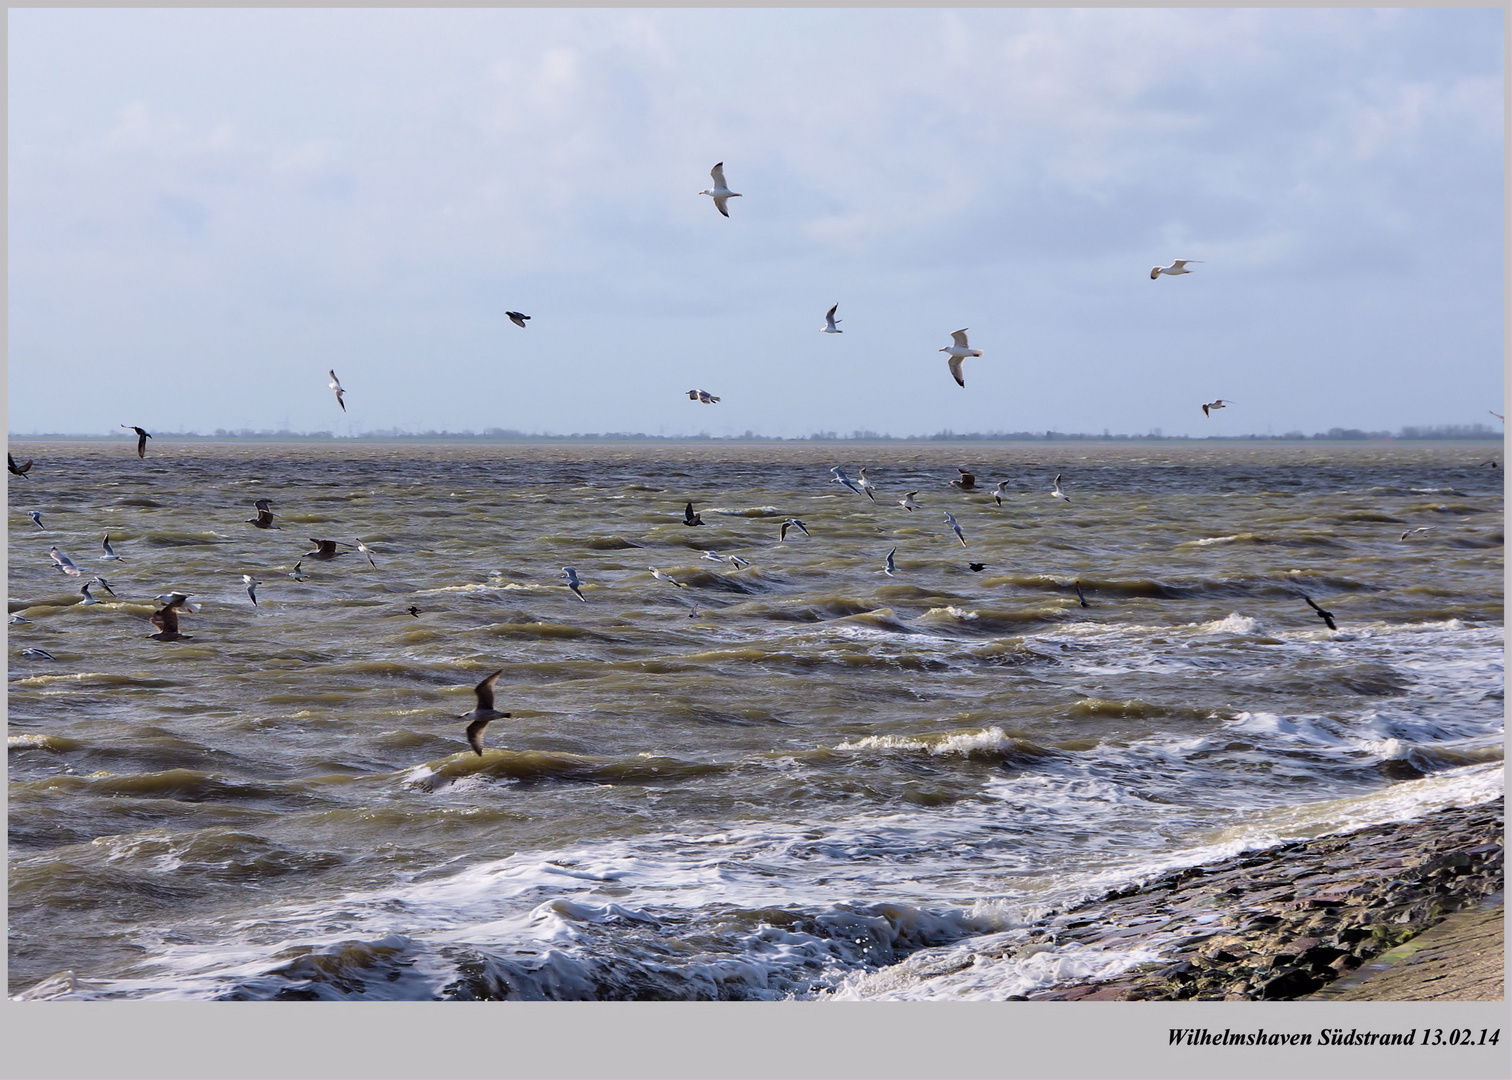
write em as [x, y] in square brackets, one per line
[794, 776]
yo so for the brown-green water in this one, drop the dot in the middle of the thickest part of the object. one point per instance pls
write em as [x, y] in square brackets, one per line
[759, 785]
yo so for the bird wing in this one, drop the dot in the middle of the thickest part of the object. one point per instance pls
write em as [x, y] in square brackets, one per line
[955, 370]
[1205, 410]
[475, 735]
[717, 172]
[830, 314]
[959, 337]
[166, 620]
[485, 690]
[719, 204]
[1154, 272]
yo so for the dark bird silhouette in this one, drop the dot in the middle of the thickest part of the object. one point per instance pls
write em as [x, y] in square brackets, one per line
[167, 622]
[1326, 616]
[516, 318]
[977, 567]
[967, 482]
[325, 550]
[18, 470]
[264, 518]
[690, 518]
[483, 713]
[1079, 595]
[414, 610]
[142, 438]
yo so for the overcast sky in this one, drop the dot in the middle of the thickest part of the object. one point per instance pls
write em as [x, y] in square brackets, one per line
[210, 208]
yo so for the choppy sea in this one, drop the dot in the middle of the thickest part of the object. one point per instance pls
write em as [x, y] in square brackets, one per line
[786, 779]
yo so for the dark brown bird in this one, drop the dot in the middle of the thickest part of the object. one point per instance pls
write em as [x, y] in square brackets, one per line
[325, 550]
[414, 610]
[167, 622]
[142, 438]
[690, 518]
[967, 482]
[516, 318]
[19, 470]
[1079, 595]
[264, 518]
[1326, 616]
[483, 713]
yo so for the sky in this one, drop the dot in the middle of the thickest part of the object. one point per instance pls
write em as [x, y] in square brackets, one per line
[210, 208]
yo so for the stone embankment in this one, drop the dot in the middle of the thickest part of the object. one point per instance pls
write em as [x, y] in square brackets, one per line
[1286, 922]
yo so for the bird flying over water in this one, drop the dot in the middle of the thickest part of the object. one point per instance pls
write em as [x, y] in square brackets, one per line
[142, 438]
[955, 527]
[791, 523]
[1219, 404]
[1056, 491]
[1179, 266]
[36, 516]
[366, 551]
[574, 582]
[19, 470]
[485, 712]
[866, 485]
[967, 481]
[264, 518]
[659, 576]
[958, 352]
[829, 326]
[839, 477]
[102, 583]
[85, 593]
[977, 567]
[63, 562]
[1420, 528]
[691, 519]
[1079, 595]
[720, 192]
[252, 584]
[325, 550]
[110, 551]
[517, 318]
[1000, 492]
[335, 384]
[167, 622]
[1326, 616]
[907, 501]
[295, 574]
[891, 566]
[414, 610]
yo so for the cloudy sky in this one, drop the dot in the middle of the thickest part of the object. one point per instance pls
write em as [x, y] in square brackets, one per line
[210, 208]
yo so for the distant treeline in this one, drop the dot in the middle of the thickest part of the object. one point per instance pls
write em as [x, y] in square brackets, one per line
[1446, 431]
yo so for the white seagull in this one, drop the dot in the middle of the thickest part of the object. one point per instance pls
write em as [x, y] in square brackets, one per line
[866, 485]
[890, 567]
[958, 352]
[335, 384]
[1420, 528]
[907, 501]
[1056, 490]
[102, 583]
[366, 551]
[1219, 404]
[252, 584]
[955, 527]
[36, 516]
[1000, 492]
[839, 477]
[88, 598]
[829, 326]
[109, 551]
[1179, 266]
[791, 523]
[702, 396]
[574, 582]
[720, 192]
[659, 576]
[63, 562]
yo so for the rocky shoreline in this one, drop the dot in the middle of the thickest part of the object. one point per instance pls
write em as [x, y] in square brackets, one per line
[1283, 923]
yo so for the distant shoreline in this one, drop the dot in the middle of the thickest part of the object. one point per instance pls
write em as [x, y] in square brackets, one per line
[1016, 438]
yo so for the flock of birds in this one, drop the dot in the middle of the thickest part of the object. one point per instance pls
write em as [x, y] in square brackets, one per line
[166, 618]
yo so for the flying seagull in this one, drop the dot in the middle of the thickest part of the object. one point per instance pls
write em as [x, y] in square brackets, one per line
[63, 562]
[485, 712]
[295, 574]
[142, 438]
[720, 192]
[366, 551]
[264, 518]
[691, 519]
[19, 470]
[1326, 616]
[252, 584]
[891, 566]
[958, 352]
[839, 477]
[517, 318]
[1177, 267]
[167, 622]
[702, 396]
[36, 516]
[335, 384]
[659, 576]
[1000, 492]
[325, 550]
[907, 501]
[967, 482]
[172, 599]
[1056, 491]
[1498, 415]
[1420, 528]
[102, 583]
[574, 582]
[866, 485]
[88, 597]
[955, 527]
[791, 523]
[1219, 404]
[38, 654]
[829, 326]
[110, 551]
